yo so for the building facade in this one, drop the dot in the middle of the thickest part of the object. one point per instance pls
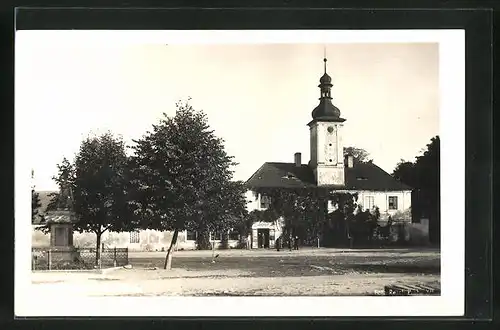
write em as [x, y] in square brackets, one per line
[328, 167]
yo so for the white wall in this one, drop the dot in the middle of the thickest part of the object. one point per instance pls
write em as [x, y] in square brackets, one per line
[149, 240]
[320, 140]
[253, 200]
[381, 199]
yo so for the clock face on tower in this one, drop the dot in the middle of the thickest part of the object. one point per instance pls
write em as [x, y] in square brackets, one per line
[330, 129]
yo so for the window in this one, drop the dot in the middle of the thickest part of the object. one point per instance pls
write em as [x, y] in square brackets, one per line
[289, 176]
[190, 235]
[134, 237]
[216, 236]
[369, 202]
[393, 202]
[265, 202]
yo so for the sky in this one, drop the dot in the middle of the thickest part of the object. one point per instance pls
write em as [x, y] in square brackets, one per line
[258, 97]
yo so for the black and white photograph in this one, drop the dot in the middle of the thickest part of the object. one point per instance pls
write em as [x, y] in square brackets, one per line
[208, 170]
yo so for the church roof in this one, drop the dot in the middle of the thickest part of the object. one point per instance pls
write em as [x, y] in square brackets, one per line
[326, 111]
[362, 176]
[325, 79]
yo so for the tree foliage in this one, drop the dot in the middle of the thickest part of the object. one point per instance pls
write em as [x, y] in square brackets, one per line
[182, 177]
[299, 208]
[35, 205]
[361, 155]
[100, 185]
[65, 177]
[423, 175]
[97, 183]
[305, 214]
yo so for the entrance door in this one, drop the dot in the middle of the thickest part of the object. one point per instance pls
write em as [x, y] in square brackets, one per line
[263, 238]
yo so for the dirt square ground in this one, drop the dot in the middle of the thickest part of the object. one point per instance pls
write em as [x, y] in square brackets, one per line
[312, 272]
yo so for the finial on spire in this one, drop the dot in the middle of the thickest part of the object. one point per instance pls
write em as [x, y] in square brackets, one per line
[324, 56]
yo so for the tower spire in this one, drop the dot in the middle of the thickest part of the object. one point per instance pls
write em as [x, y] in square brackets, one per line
[324, 57]
[326, 111]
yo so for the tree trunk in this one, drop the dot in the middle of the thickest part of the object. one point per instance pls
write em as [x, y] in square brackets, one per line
[203, 240]
[98, 250]
[170, 252]
[225, 241]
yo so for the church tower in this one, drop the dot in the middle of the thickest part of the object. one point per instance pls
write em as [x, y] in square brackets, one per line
[327, 149]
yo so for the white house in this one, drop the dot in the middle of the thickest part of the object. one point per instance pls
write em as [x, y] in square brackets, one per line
[329, 168]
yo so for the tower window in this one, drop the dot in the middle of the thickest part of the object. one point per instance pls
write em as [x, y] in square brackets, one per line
[330, 160]
[330, 144]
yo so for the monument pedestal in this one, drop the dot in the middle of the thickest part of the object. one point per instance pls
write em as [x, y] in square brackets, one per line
[61, 236]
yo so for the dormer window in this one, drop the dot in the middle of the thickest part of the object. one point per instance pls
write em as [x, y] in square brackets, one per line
[289, 176]
[361, 178]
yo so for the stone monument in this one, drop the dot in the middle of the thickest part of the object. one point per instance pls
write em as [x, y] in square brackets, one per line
[60, 223]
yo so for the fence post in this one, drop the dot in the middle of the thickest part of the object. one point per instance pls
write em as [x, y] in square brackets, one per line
[49, 259]
[114, 257]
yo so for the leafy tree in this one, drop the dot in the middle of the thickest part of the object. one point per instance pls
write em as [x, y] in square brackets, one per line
[361, 155]
[65, 176]
[303, 211]
[99, 181]
[35, 204]
[338, 227]
[423, 175]
[406, 172]
[229, 208]
[182, 178]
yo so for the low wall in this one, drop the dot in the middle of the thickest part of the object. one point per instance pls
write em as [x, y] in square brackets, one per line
[148, 240]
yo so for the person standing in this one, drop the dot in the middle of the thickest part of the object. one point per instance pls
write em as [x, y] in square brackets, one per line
[296, 243]
[278, 242]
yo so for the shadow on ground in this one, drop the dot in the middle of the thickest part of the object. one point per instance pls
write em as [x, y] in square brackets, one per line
[303, 265]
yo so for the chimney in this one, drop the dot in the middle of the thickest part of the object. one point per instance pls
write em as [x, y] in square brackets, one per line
[349, 161]
[298, 160]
